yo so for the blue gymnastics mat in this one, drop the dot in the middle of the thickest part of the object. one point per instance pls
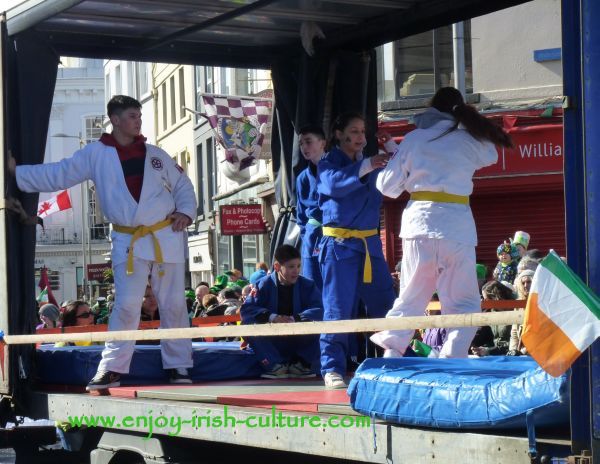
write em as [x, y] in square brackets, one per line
[489, 392]
[76, 365]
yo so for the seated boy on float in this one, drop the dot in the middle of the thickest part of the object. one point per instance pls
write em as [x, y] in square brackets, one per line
[285, 296]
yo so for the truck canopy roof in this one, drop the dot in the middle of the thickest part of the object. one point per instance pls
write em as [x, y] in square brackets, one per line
[229, 33]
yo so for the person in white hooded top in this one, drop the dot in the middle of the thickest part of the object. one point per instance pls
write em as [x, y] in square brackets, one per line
[435, 163]
[149, 201]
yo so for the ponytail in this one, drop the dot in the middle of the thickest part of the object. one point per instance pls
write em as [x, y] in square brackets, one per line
[450, 100]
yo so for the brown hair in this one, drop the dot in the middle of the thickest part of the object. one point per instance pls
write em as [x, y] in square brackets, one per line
[209, 300]
[70, 313]
[450, 100]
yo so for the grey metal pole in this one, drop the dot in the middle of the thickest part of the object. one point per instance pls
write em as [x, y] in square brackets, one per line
[83, 236]
[458, 46]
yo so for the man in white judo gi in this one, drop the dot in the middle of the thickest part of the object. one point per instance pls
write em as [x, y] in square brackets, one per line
[150, 202]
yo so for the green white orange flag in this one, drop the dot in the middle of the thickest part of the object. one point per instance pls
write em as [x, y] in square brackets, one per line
[562, 317]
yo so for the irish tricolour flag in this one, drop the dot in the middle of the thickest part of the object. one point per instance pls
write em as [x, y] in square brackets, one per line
[562, 317]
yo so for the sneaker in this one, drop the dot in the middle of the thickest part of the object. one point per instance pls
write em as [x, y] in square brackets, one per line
[179, 375]
[298, 371]
[334, 381]
[103, 380]
[279, 371]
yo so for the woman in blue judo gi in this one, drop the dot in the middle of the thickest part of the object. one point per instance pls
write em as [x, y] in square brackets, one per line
[308, 214]
[351, 251]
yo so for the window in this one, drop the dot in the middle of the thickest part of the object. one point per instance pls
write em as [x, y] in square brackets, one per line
[249, 253]
[53, 279]
[142, 79]
[93, 128]
[172, 100]
[209, 79]
[130, 80]
[200, 178]
[224, 81]
[107, 87]
[211, 171]
[118, 80]
[224, 254]
[164, 105]
[181, 94]
[425, 62]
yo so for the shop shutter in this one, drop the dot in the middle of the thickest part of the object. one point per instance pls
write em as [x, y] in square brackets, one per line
[498, 216]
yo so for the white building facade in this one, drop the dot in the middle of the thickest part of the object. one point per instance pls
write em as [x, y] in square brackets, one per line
[76, 118]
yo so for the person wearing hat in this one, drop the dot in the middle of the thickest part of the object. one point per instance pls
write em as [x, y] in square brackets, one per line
[100, 309]
[506, 269]
[49, 315]
[521, 242]
[220, 283]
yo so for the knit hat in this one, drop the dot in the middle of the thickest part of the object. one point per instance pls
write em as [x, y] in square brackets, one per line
[50, 311]
[506, 247]
[481, 271]
[521, 238]
[525, 273]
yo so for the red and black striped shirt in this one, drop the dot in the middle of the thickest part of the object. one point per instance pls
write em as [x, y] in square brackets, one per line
[133, 158]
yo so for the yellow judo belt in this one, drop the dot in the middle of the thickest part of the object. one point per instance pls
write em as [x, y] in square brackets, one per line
[338, 232]
[441, 197]
[139, 232]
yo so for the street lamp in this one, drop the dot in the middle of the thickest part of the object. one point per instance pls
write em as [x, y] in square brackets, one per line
[85, 231]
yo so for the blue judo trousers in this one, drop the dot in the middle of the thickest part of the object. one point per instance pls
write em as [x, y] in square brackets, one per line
[309, 218]
[308, 306]
[349, 202]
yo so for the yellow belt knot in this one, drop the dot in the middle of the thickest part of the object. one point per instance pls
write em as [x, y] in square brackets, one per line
[339, 232]
[440, 197]
[139, 232]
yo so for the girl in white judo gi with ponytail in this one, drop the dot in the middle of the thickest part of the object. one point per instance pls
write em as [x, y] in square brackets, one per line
[138, 185]
[435, 163]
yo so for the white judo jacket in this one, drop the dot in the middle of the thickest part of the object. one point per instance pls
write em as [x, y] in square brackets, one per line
[424, 162]
[165, 189]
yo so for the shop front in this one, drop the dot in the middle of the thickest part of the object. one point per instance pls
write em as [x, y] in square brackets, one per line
[522, 191]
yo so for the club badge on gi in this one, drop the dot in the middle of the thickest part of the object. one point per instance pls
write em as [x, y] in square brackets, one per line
[156, 163]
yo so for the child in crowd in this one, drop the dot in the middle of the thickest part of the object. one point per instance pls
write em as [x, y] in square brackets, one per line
[506, 269]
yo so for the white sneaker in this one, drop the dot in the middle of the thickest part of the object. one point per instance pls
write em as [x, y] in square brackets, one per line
[334, 381]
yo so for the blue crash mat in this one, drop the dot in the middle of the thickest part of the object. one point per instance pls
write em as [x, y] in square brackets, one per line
[76, 365]
[495, 391]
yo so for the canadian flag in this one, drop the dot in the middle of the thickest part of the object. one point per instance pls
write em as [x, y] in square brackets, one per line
[52, 205]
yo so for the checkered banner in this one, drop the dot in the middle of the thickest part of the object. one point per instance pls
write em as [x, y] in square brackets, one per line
[241, 124]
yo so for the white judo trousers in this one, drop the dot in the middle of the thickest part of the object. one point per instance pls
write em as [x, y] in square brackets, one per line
[430, 265]
[126, 313]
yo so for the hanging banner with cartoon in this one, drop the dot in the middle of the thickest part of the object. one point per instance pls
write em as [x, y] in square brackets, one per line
[241, 124]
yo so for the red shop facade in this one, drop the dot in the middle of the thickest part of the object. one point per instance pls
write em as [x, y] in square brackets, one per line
[524, 190]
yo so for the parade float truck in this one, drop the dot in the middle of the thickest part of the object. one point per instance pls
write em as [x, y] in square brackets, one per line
[322, 61]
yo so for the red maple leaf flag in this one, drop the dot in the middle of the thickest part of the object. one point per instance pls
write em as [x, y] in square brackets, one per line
[55, 204]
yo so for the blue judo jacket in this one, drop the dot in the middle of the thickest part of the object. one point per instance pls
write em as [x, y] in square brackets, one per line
[308, 305]
[307, 207]
[349, 201]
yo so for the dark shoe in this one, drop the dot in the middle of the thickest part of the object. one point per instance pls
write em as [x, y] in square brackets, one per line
[179, 375]
[103, 380]
[300, 371]
[279, 371]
